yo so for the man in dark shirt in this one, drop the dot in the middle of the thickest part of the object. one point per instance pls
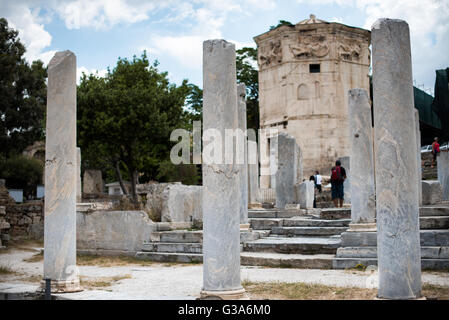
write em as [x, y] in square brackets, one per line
[338, 176]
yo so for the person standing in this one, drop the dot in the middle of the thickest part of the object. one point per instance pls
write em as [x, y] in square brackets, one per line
[318, 180]
[435, 150]
[338, 176]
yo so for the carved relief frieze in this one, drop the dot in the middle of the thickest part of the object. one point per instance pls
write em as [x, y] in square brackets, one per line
[310, 46]
[350, 49]
[270, 54]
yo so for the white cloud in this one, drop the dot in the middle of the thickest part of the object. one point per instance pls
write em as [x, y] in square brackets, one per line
[32, 34]
[429, 29]
[81, 70]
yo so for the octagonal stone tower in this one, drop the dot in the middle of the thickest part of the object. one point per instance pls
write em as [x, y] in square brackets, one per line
[305, 73]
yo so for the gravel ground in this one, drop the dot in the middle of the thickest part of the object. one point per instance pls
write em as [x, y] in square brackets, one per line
[161, 281]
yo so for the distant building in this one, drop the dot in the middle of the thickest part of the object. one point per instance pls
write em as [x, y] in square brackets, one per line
[115, 189]
[305, 72]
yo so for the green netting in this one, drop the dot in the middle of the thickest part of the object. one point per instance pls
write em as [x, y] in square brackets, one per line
[423, 102]
[440, 103]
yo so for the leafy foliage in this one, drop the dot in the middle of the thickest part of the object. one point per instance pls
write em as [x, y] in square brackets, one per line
[282, 23]
[22, 94]
[248, 74]
[21, 172]
[125, 119]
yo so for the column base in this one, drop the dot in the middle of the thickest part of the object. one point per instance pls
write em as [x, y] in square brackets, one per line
[362, 227]
[63, 286]
[421, 298]
[255, 205]
[239, 294]
[244, 226]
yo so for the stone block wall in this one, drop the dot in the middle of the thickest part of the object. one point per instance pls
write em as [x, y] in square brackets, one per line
[26, 219]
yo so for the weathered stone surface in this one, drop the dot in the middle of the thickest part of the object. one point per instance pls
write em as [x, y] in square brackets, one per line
[287, 172]
[78, 175]
[92, 182]
[362, 185]
[305, 193]
[432, 192]
[243, 172]
[221, 184]
[182, 203]
[253, 171]
[314, 103]
[443, 173]
[345, 163]
[60, 173]
[396, 177]
[113, 230]
[418, 155]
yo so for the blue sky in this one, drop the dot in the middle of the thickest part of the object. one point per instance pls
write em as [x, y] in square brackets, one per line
[172, 31]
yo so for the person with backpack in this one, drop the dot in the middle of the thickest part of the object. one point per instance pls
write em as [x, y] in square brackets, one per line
[435, 150]
[338, 176]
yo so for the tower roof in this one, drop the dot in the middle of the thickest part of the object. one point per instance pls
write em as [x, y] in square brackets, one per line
[312, 20]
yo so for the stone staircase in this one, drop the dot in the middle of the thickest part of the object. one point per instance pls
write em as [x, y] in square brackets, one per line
[182, 245]
[324, 199]
[361, 248]
[304, 239]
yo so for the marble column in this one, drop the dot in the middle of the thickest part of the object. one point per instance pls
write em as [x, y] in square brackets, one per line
[253, 171]
[345, 163]
[443, 173]
[397, 207]
[418, 155]
[363, 197]
[221, 184]
[287, 169]
[60, 175]
[243, 173]
[78, 175]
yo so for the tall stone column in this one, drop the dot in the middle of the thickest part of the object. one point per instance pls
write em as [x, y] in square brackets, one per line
[221, 184]
[241, 110]
[287, 171]
[78, 175]
[60, 175]
[346, 163]
[418, 155]
[397, 208]
[443, 173]
[363, 196]
[253, 171]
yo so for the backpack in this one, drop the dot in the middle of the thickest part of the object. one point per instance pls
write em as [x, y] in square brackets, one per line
[336, 174]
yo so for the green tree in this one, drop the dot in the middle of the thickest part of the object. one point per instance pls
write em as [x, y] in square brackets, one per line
[248, 74]
[22, 94]
[125, 119]
[21, 172]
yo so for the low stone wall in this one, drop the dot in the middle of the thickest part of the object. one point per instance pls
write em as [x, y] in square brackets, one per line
[112, 232]
[26, 219]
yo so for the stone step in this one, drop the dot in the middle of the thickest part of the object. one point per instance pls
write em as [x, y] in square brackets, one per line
[170, 257]
[429, 238]
[426, 264]
[308, 231]
[325, 204]
[279, 260]
[434, 211]
[371, 252]
[172, 247]
[437, 222]
[264, 223]
[335, 213]
[307, 222]
[276, 213]
[177, 236]
[296, 245]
